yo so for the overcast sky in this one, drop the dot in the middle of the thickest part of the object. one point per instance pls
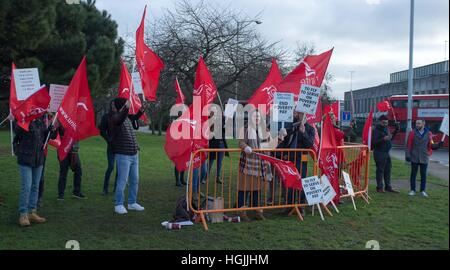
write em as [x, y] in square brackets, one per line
[371, 37]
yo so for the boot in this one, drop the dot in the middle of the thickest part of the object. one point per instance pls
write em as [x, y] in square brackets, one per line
[178, 184]
[259, 215]
[34, 218]
[23, 220]
[244, 217]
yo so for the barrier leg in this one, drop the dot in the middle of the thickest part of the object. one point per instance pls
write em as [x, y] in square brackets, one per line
[202, 217]
[298, 213]
[364, 198]
[327, 210]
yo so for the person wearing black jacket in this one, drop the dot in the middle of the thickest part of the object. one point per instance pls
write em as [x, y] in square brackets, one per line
[382, 144]
[299, 136]
[104, 132]
[217, 141]
[29, 149]
[126, 152]
[73, 162]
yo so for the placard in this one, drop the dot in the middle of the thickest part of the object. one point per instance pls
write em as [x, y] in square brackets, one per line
[283, 107]
[313, 190]
[137, 83]
[444, 125]
[57, 93]
[348, 184]
[230, 108]
[308, 99]
[27, 82]
[328, 191]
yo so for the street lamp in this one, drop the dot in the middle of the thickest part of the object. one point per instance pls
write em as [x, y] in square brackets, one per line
[237, 50]
[411, 71]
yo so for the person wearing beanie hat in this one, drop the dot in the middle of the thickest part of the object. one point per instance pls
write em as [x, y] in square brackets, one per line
[382, 144]
[126, 153]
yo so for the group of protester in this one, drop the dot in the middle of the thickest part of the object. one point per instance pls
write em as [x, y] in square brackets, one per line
[118, 129]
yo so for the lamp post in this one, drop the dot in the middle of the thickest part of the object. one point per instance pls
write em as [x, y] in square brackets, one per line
[410, 72]
[237, 51]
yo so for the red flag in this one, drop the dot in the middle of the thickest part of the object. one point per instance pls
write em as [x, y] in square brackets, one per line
[286, 170]
[149, 64]
[56, 142]
[13, 101]
[311, 71]
[204, 85]
[328, 157]
[384, 106]
[126, 91]
[180, 96]
[367, 131]
[265, 93]
[335, 108]
[76, 112]
[33, 107]
[190, 124]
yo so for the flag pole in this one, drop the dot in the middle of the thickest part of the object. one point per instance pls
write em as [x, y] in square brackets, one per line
[48, 136]
[12, 134]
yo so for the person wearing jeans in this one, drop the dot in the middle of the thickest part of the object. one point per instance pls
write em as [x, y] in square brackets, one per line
[217, 142]
[29, 149]
[126, 152]
[109, 153]
[420, 146]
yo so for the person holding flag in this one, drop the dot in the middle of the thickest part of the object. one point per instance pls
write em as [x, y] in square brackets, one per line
[126, 153]
[420, 146]
[28, 147]
[382, 145]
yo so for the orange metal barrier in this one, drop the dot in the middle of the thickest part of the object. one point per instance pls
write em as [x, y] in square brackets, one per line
[220, 191]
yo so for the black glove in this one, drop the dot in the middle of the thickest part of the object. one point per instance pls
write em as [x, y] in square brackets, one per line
[408, 159]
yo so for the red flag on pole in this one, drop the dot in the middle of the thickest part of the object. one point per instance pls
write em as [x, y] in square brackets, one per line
[265, 93]
[286, 170]
[384, 106]
[149, 64]
[367, 131]
[33, 107]
[126, 91]
[13, 101]
[328, 157]
[335, 108]
[311, 71]
[76, 112]
[180, 96]
[185, 136]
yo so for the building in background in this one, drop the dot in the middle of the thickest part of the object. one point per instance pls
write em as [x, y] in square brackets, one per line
[430, 79]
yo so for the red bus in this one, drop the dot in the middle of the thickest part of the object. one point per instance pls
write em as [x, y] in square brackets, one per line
[431, 108]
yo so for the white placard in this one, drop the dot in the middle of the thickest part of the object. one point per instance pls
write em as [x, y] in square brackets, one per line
[283, 107]
[230, 108]
[444, 125]
[57, 93]
[27, 82]
[348, 184]
[328, 191]
[313, 190]
[308, 99]
[137, 83]
[431, 113]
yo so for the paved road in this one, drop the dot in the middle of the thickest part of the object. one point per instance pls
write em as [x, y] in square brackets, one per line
[438, 167]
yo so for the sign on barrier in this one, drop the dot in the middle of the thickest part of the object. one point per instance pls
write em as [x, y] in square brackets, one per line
[328, 190]
[313, 190]
[349, 187]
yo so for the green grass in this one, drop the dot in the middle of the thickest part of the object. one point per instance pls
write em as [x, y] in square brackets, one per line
[396, 221]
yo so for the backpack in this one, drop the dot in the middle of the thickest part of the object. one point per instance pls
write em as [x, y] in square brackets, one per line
[181, 212]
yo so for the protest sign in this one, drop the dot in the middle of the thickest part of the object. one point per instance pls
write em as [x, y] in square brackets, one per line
[283, 107]
[308, 99]
[230, 108]
[27, 82]
[57, 93]
[137, 83]
[313, 190]
[349, 186]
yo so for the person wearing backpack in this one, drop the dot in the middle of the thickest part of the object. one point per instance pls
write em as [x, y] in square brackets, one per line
[420, 146]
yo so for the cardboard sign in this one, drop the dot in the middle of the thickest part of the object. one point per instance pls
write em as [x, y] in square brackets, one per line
[283, 107]
[27, 82]
[137, 83]
[230, 108]
[328, 191]
[313, 190]
[348, 183]
[308, 99]
[57, 93]
[444, 125]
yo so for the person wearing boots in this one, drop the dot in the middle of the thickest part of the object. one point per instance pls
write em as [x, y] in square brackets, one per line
[253, 172]
[29, 149]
